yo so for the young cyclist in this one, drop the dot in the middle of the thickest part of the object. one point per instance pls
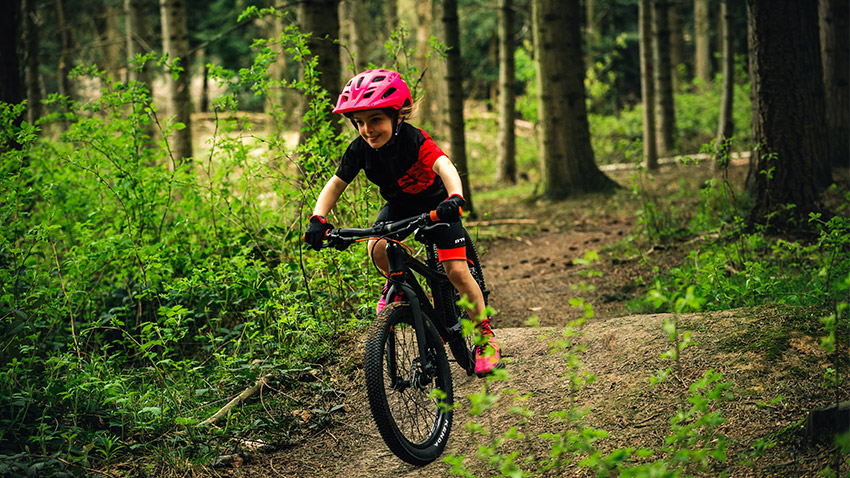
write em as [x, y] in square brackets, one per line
[414, 176]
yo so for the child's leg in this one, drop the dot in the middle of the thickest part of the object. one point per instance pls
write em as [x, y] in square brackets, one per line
[377, 249]
[458, 273]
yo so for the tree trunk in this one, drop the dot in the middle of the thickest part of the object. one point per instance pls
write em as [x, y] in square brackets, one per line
[11, 86]
[110, 43]
[355, 31]
[726, 125]
[139, 35]
[788, 112]
[175, 43]
[454, 81]
[66, 36]
[423, 36]
[567, 160]
[392, 14]
[677, 42]
[702, 41]
[30, 41]
[506, 160]
[665, 113]
[321, 19]
[139, 42]
[647, 86]
[835, 49]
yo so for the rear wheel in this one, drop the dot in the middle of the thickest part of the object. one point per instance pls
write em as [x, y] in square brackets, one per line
[411, 406]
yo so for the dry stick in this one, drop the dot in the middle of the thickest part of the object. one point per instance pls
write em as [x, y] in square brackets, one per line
[67, 300]
[239, 398]
[501, 222]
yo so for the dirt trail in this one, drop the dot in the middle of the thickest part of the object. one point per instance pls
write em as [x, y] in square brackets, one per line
[532, 270]
[536, 275]
[622, 352]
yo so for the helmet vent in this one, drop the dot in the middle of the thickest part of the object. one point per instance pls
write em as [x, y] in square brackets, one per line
[378, 79]
[389, 92]
[368, 94]
[359, 81]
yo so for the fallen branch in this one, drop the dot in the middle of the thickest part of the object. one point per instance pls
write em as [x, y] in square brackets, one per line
[501, 222]
[247, 393]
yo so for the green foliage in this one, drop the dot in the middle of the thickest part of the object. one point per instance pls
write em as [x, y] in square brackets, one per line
[136, 289]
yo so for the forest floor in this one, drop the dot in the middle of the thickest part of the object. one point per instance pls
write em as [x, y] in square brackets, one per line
[528, 252]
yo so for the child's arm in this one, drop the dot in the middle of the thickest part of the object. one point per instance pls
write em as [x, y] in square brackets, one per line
[329, 196]
[451, 208]
[444, 167]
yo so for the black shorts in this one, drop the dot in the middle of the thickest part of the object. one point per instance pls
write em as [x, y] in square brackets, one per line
[450, 241]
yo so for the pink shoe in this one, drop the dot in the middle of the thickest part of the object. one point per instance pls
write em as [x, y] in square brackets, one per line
[487, 356]
[382, 302]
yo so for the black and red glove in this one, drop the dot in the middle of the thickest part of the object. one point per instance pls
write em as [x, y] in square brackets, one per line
[319, 226]
[451, 208]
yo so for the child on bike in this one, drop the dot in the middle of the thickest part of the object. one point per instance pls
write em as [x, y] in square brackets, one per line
[414, 176]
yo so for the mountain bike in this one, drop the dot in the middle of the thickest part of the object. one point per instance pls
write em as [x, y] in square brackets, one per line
[408, 379]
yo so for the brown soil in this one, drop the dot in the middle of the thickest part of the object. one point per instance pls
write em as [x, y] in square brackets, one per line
[531, 271]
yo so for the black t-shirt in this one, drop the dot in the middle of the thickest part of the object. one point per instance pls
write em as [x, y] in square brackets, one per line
[402, 168]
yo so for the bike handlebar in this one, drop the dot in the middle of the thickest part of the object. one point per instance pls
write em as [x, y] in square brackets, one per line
[341, 238]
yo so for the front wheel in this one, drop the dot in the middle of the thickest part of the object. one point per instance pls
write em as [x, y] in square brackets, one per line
[411, 406]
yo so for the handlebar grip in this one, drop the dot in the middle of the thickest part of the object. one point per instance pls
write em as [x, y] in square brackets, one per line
[433, 216]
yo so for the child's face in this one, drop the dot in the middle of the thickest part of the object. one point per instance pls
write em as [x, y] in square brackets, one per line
[375, 126]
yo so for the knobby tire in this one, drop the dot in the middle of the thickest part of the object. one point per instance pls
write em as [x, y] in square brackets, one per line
[414, 424]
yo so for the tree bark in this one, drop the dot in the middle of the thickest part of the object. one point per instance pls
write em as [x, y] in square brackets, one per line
[423, 36]
[702, 41]
[647, 85]
[321, 19]
[175, 43]
[138, 31]
[788, 112]
[567, 163]
[677, 42]
[66, 36]
[726, 124]
[835, 48]
[454, 82]
[665, 113]
[32, 77]
[11, 86]
[506, 160]
[110, 43]
[392, 14]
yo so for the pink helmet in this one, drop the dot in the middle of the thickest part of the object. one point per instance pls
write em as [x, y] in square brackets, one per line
[373, 89]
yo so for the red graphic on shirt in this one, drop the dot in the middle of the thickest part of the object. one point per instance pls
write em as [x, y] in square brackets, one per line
[421, 175]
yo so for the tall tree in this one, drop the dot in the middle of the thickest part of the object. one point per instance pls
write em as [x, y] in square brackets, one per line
[454, 80]
[356, 32]
[30, 42]
[566, 154]
[834, 17]
[138, 30]
[702, 41]
[110, 42]
[506, 158]
[725, 124]
[677, 40]
[321, 19]
[647, 85]
[788, 111]
[11, 87]
[424, 10]
[665, 113]
[66, 37]
[175, 43]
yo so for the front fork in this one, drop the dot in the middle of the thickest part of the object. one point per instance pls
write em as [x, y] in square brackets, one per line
[396, 256]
